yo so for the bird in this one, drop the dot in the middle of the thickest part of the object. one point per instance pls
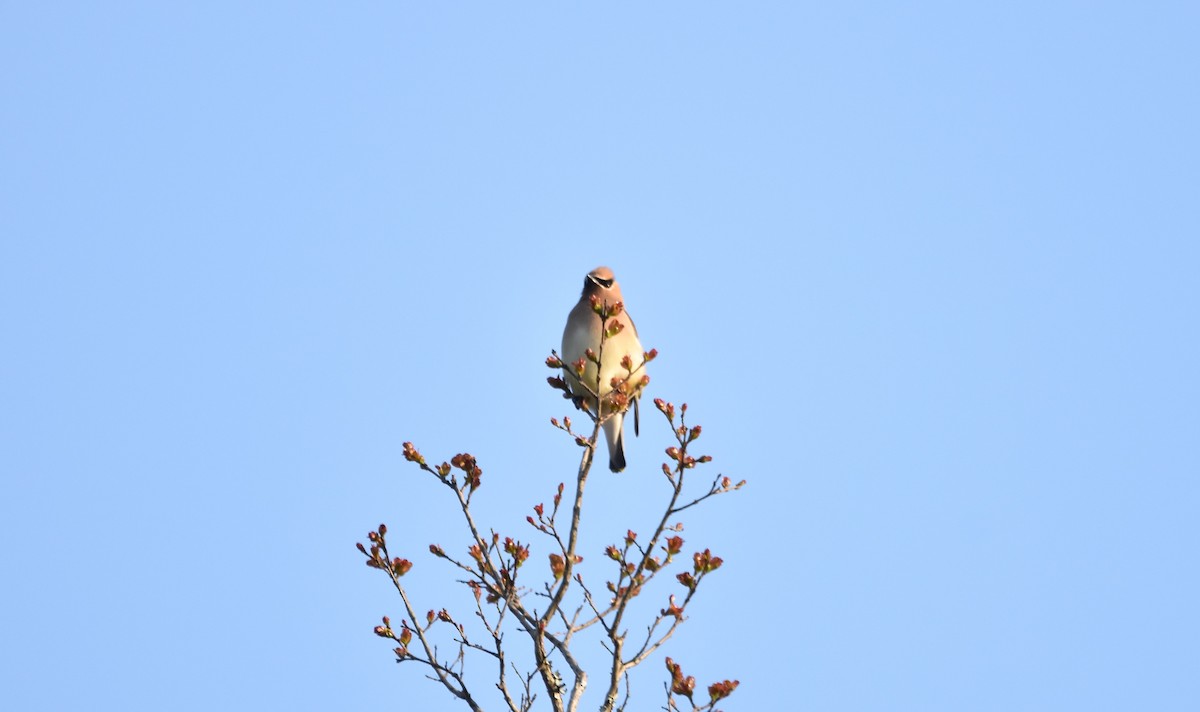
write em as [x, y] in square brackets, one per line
[583, 332]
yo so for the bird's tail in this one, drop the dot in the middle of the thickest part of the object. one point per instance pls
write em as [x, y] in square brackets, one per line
[614, 433]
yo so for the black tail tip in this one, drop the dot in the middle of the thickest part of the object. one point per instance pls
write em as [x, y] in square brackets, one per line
[616, 461]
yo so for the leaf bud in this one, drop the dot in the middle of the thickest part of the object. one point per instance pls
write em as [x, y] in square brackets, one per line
[720, 690]
[411, 454]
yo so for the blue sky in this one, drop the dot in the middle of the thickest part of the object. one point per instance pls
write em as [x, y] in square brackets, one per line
[927, 276]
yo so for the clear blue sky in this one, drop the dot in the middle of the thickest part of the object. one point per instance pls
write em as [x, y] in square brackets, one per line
[927, 275]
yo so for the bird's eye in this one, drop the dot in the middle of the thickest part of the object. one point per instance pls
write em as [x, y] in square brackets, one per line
[606, 283]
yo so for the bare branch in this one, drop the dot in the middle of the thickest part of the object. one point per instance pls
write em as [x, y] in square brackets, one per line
[494, 563]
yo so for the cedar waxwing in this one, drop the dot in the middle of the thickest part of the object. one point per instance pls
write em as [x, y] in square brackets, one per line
[582, 333]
